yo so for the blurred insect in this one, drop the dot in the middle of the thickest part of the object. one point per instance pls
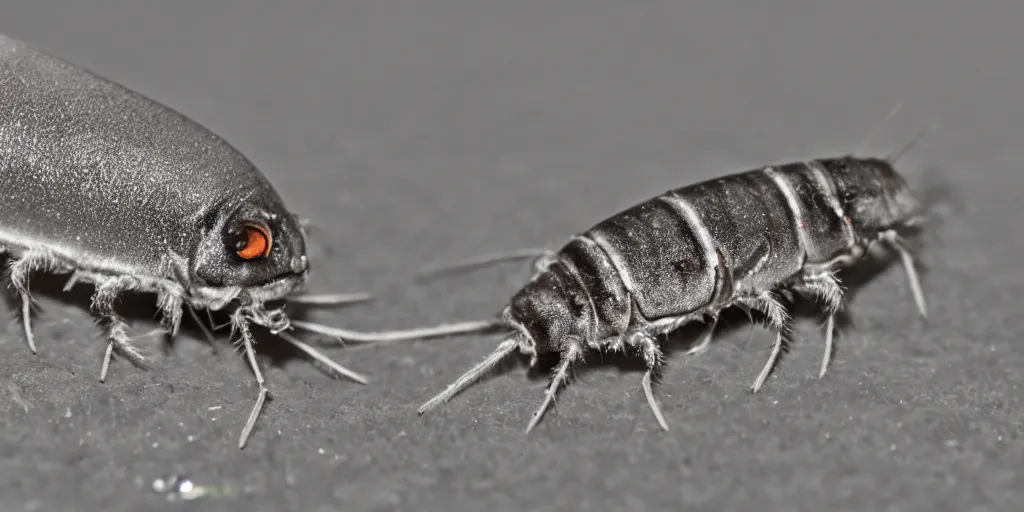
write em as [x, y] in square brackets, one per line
[123, 193]
[748, 239]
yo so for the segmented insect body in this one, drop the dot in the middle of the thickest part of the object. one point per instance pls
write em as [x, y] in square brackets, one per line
[747, 239]
[127, 194]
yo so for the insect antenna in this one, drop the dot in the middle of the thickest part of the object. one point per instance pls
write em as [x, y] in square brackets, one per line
[483, 260]
[504, 349]
[892, 158]
[874, 131]
[329, 299]
[416, 333]
[315, 354]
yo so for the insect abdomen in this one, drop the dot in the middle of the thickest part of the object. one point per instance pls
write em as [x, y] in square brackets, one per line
[749, 220]
[764, 225]
[660, 255]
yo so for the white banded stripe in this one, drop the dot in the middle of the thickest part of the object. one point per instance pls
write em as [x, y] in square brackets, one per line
[794, 205]
[695, 222]
[832, 196]
[620, 266]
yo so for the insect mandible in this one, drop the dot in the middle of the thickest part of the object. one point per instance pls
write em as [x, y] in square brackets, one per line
[749, 240]
[121, 192]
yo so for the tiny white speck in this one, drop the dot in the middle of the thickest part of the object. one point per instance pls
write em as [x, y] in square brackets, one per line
[156, 445]
[67, 413]
[191, 438]
[321, 450]
[186, 486]
[214, 408]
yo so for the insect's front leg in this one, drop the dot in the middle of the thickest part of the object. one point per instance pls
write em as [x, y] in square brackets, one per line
[20, 269]
[898, 244]
[571, 354]
[103, 300]
[653, 358]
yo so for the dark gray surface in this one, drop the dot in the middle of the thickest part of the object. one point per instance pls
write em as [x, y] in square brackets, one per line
[415, 132]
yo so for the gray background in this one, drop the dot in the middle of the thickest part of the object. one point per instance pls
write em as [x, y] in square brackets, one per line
[420, 131]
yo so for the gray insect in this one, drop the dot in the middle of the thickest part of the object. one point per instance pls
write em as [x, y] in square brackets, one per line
[126, 194]
[747, 240]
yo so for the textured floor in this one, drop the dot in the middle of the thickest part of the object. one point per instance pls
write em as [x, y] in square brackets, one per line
[415, 132]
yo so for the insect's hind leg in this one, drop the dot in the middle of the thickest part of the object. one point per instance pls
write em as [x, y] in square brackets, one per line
[117, 329]
[572, 353]
[825, 286]
[778, 320]
[705, 337]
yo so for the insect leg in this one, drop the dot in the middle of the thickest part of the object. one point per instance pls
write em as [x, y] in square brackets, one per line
[505, 348]
[898, 244]
[778, 321]
[20, 269]
[570, 354]
[241, 323]
[825, 286]
[171, 307]
[653, 358]
[117, 329]
[206, 330]
[770, 365]
[705, 337]
[19, 280]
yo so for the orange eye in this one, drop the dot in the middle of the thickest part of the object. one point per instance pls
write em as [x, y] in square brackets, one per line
[254, 241]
